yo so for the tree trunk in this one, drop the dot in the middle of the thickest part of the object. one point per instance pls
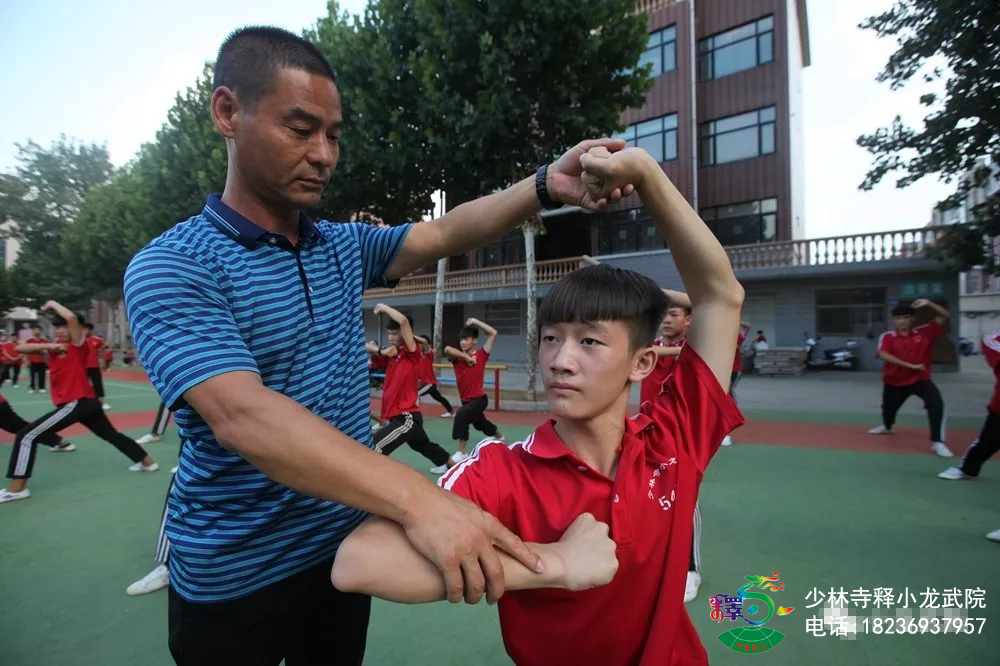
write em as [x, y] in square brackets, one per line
[530, 228]
[439, 309]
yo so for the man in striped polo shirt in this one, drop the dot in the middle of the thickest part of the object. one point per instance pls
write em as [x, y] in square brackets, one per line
[277, 466]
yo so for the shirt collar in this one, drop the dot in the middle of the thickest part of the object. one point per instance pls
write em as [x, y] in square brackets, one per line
[245, 232]
[545, 442]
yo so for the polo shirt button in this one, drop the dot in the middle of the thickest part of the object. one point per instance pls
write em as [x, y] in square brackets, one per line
[582, 468]
[272, 240]
[616, 498]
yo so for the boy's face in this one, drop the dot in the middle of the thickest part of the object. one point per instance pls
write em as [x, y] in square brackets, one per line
[675, 324]
[395, 337]
[903, 322]
[62, 333]
[468, 344]
[37, 331]
[587, 367]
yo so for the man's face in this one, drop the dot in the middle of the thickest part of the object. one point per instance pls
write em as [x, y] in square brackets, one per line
[586, 368]
[468, 344]
[675, 324]
[37, 331]
[62, 333]
[287, 146]
[903, 323]
[395, 337]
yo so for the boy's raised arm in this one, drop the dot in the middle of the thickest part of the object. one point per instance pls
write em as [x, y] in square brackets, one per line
[377, 559]
[491, 333]
[404, 324]
[716, 296]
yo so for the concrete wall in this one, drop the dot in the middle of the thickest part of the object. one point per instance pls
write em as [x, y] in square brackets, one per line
[980, 315]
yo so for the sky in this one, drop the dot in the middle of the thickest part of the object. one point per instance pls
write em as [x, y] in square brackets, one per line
[107, 72]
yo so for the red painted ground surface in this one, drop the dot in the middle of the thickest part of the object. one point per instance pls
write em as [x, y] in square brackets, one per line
[827, 436]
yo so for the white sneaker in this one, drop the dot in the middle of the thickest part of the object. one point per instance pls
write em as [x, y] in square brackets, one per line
[148, 438]
[63, 449]
[728, 441]
[106, 407]
[880, 430]
[994, 535]
[7, 496]
[954, 474]
[458, 457]
[31, 391]
[440, 469]
[157, 579]
[375, 427]
[139, 467]
[447, 415]
[173, 470]
[942, 450]
[41, 390]
[692, 585]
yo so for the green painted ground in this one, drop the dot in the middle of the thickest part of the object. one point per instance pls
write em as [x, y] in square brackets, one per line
[820, 518]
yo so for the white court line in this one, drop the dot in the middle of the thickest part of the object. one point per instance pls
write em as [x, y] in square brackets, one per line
[34, 401]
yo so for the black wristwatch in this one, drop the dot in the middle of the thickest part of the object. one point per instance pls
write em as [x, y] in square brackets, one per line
[542, 189]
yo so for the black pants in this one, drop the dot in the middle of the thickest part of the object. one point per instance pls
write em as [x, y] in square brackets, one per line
[408, 428]
[984, 447]
[893, 398]
[473, 413]
[87, 412]
[37, 374]
[13, 423]
[302, 619]
[94, 374]
[11, 371]
[432, 391]
[162, 421]
[162, 550]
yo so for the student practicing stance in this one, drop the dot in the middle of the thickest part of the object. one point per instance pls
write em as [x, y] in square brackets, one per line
[11, 360]
[470, 365]
[404, 422]
[11, 421]
[36, 362]
[428, 380]
[95, 344]
[160, 424]
[74, 399]
[988, 441]
[640, 475]
[159, 577]
[908, 353]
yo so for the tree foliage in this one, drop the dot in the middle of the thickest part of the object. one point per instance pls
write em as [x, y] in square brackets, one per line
[956, 43]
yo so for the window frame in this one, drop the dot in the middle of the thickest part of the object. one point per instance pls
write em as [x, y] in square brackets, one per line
[876, 328]
[660, 47]
[501, 320]
[709, 134]
[668, 126]
[761, 210]
[708, 47]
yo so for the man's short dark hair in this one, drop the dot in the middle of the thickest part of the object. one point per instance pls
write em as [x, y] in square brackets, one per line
[673, 305]
[59, 321]
[903, 310]
[250, 58]
[393, 325]
[89, 326]
[606, 293]
[469, 332]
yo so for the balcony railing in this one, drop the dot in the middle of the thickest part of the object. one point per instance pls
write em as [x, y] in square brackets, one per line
[649, 6]
[856, 249]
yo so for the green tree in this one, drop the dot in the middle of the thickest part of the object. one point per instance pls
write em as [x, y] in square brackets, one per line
[957, 44]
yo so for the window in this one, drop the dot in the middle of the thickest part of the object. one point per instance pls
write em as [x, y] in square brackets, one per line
[738, 137]
[735, 50]
[508, 250]
[661, 51]
[850, 312]
[628, 231]
[504, 316]
[658, 137]
[745, 223]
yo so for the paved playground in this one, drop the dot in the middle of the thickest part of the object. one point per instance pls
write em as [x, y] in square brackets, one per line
[805, 492]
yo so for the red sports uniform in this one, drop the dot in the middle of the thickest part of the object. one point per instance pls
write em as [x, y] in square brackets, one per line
[399, 390]
[538, 487]
[991, 351]
[915, 347]
[427, 375]
[651, 385]
[738, 361]
[470, 377]
[94, 346]
[68, 374]
[37, 357]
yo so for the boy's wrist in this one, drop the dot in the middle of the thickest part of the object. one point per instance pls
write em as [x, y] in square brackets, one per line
[555, 574]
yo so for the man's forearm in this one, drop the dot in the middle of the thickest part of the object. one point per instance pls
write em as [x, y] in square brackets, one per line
[938, 310]
[664, 352]
[889, 358]
[377, 559]
[486, 328]
[703, 264]
[35, 347]
[677, 298]
[298, 449]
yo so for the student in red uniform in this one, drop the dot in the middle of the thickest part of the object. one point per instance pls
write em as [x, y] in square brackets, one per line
[907, 352]
[74, 399]
[469, 363]
[109, 357]
[36, 362]
[428, 380]
[404, 424]
[11, 360]
[667, 345]
[988, 441]
[95, 344]
[639, 476]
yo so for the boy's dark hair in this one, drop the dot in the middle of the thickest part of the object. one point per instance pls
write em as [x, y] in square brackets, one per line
[760, 331]
[250, 57]
[393, 325]
[903, 310]
[469, 332]
[605, 293]
[59, 321]
[671, 305]
[89, 326]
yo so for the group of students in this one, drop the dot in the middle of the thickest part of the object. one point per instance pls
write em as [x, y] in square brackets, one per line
[77, 392]
[408, 364]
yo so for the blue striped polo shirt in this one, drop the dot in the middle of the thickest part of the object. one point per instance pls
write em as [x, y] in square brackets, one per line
[218, 294]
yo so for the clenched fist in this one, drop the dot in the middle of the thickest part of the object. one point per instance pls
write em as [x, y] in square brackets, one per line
[587, 554]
